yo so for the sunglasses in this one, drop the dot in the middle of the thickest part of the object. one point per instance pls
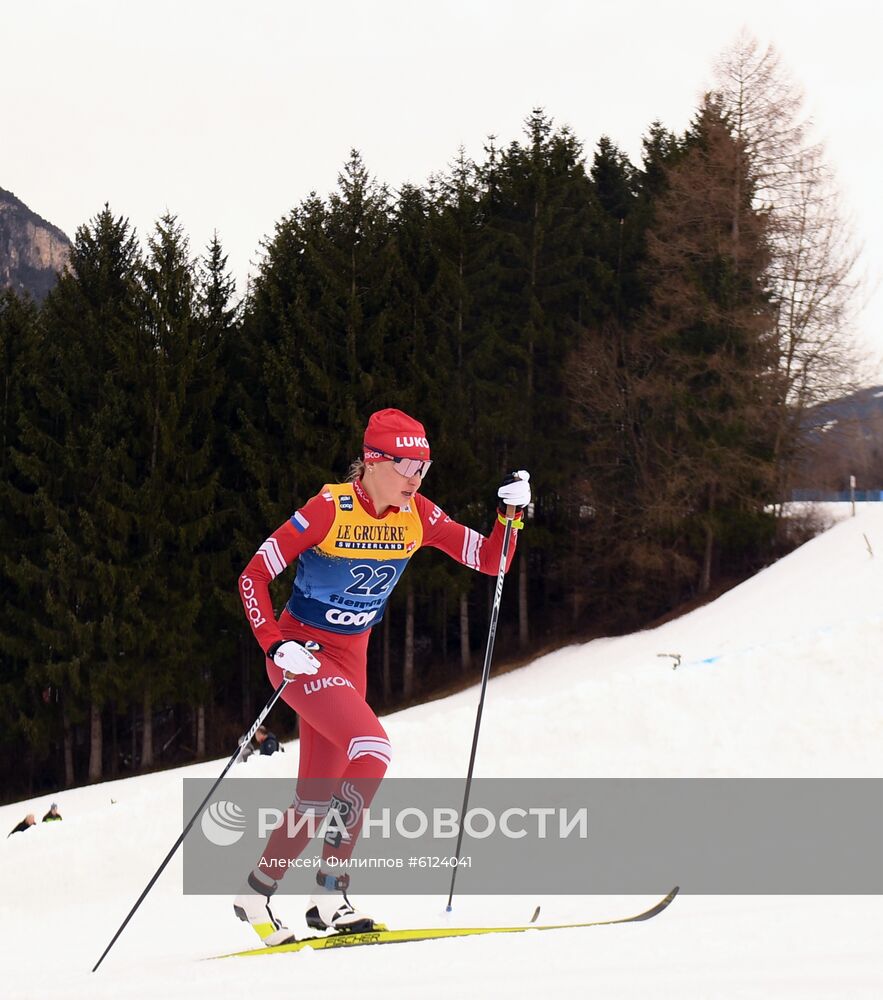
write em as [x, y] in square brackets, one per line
[406, 467]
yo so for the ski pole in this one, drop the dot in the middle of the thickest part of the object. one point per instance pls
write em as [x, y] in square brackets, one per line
[265, 711]
[485, 674]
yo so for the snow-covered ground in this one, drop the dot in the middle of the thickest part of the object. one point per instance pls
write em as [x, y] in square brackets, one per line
[780, 677]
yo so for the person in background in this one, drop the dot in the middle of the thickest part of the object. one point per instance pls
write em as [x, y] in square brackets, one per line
[28, 821]
[264, 743]
[53, 814]
[352, 542]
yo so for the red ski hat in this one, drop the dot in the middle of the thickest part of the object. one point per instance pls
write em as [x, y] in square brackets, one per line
[391, 432]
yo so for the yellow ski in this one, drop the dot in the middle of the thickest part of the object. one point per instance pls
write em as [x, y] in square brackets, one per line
[385, 936]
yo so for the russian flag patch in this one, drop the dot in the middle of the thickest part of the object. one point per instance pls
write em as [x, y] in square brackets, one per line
[299, 521]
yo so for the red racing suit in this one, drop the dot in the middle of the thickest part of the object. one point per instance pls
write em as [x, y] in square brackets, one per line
[349, 561]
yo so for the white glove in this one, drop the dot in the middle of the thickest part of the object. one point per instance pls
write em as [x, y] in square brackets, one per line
[292, 658]
[515, 490]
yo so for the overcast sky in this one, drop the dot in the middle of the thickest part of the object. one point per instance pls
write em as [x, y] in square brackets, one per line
[229, 113]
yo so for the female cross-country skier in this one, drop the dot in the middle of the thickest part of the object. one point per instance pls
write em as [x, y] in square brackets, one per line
[352, 542]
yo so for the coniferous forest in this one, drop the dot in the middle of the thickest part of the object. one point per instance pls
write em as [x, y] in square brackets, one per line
[639, 336]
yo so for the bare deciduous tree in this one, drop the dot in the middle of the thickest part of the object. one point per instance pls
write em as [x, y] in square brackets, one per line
[813, 266]
[680, 401]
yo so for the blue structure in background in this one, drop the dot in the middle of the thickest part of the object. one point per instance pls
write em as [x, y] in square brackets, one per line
[836, 496]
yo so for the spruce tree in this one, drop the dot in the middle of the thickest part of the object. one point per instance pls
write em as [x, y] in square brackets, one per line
[455, 231]
[536, 208]
[177, 478]
[26, 720]
[76, 464]
[218, 390]
[313, 340]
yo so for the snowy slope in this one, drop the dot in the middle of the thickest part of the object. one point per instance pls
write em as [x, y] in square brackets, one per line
[782, 676]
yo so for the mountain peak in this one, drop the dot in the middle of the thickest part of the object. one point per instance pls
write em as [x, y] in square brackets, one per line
[32, 250]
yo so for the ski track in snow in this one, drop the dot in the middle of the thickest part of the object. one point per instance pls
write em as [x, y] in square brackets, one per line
[780, 677]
